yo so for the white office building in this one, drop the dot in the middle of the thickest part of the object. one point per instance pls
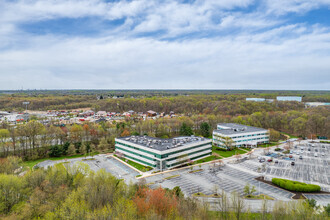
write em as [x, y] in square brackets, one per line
[239, 135]
[289, 98]
[163, 154]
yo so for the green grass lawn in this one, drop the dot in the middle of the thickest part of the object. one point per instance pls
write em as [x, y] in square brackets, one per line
[227, 153]
[31, 163]
[247, 149]
[207, 159]
[271, 144]
[136, 165]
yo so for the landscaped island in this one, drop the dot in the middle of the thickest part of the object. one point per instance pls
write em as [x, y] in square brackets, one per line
[295, 185]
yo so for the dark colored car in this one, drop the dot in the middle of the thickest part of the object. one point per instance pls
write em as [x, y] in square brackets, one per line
[270, 160]
[292, 163]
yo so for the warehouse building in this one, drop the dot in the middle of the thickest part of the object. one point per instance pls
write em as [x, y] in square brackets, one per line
[237, 135]
[163, 154]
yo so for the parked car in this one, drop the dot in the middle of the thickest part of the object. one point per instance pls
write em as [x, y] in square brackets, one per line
[316, 150]
[322, 154]
[292, 163]
[300, 157]
[315, 155]
[276, 161]
[290, 156]
[270, 160]
[309, 149]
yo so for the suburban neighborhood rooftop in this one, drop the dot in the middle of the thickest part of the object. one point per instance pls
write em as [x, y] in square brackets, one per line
[163, 144]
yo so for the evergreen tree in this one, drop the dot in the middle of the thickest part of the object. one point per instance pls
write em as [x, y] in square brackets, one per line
[186, 130]
[205, 129]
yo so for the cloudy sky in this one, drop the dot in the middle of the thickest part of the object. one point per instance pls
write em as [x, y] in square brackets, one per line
[165, 44]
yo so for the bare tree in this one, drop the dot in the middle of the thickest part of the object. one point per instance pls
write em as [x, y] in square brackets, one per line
[238, 205]
[223, 205]
[264, 209]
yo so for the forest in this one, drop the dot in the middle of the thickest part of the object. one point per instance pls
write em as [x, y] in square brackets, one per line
[188, 102]
[76, 192]
[34, 140]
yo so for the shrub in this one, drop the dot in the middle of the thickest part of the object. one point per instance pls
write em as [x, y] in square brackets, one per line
[277, 149]
[295, 185]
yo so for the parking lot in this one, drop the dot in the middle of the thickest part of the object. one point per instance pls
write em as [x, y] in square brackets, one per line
[309, 164]
[98, 162]
[227, 178]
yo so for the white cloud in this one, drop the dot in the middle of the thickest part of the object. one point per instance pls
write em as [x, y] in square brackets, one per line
[238, 49]
[281, 7]
[223, 62]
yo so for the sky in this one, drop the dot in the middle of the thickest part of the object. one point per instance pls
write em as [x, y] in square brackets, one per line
[165, 44]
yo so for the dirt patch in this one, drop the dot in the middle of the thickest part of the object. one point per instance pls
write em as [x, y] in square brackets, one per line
[297, 195]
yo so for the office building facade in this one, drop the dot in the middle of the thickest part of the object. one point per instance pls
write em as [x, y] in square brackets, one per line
[163, 154]
[236, 135]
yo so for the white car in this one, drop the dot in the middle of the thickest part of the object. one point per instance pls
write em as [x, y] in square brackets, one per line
[315, 155]
[322, 154]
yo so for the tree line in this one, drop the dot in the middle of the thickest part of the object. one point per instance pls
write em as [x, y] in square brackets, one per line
[225, 104]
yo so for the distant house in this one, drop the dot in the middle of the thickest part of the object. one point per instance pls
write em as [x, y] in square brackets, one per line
[151, 113]
[126, 114]
[131, 112]
[101, 114]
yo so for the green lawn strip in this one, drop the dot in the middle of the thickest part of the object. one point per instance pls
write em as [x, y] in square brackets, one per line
[261, 196]
[31, 163]
[171, 177]
[245, 149]
[271, 144]
[136, 165]
[207, 159]
[194, 171]
[227, 153]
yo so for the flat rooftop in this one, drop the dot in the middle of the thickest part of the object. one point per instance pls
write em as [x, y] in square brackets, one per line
[232, 128]
[164, 144]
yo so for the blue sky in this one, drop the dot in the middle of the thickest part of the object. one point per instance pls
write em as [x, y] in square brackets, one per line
[177, 44]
